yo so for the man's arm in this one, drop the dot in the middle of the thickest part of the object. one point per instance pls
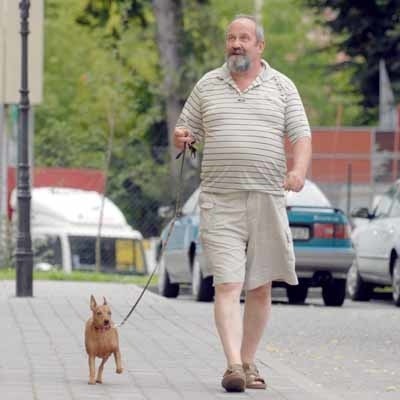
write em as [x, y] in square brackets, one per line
[189, 128]
[296, 177]
[299, 134]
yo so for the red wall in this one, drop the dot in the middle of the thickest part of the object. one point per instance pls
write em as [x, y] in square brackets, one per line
[335, 150]
[77, 178]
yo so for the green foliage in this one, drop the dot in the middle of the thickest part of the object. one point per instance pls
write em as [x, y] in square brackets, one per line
[366, 31]
[91, 78]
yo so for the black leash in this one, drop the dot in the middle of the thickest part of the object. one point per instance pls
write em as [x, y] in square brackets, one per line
[178, 211]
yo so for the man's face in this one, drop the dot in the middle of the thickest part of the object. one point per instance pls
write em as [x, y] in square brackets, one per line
[241, 47]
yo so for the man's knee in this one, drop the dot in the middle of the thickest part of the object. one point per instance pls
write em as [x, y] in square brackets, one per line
[228, 289]
[261, 293]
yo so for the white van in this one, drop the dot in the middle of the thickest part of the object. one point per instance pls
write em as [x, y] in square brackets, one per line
[65, 227]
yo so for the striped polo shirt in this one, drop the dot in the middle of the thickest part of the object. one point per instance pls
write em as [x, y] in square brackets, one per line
[244, 131]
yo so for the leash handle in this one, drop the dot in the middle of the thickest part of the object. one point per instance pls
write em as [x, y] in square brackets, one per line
[178, 211]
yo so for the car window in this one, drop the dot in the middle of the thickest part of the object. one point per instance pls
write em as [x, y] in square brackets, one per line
[383, 207]
[47, 249]
[395, 210]
[190, 206]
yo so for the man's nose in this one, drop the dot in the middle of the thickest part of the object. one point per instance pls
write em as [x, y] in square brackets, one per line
[236, 44]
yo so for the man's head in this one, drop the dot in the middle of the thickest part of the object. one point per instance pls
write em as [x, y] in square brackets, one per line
[244, 43]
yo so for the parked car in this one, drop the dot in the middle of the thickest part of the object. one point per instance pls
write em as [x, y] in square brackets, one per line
[322, 246]
[377, 246]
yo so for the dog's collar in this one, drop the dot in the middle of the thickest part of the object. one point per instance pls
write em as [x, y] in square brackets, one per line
[102, 328]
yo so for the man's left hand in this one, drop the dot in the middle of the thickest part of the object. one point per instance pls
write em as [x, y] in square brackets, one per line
[294, 181]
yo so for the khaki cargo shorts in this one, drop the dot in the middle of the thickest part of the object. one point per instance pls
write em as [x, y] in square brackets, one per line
[246, 238]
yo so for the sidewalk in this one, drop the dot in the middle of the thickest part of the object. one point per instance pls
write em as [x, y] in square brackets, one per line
[169, 349]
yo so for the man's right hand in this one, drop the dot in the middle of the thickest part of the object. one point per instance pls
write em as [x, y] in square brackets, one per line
[182, 136]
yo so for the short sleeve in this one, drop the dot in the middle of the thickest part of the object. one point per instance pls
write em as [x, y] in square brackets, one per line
[296, 121]
[191, 115]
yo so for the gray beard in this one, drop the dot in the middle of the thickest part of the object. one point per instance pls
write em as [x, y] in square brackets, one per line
[238, 63]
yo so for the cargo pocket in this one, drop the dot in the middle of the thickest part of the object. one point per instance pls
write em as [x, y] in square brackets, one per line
[207, 210]
[289, 244]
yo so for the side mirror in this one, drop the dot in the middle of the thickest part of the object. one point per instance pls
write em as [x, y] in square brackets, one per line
[361, 212]
[165, 212]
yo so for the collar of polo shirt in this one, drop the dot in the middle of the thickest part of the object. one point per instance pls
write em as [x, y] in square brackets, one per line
[264, 75]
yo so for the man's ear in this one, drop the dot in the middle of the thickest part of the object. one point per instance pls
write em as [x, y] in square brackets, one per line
[93, 303]
[261, 46]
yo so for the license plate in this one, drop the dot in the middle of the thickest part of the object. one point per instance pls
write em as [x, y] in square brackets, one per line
[300, 233]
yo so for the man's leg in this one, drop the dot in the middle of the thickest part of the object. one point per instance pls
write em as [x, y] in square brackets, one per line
[256, 313]
[228, 320]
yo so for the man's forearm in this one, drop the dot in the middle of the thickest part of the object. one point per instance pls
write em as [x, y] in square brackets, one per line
[302, 150]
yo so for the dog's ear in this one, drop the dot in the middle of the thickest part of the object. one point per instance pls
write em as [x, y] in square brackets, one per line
[104, 301]
[93, 303]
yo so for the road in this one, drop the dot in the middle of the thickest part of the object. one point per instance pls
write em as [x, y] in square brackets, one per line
[353, 350]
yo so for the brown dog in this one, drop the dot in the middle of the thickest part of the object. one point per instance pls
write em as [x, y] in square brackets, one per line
[101, 340]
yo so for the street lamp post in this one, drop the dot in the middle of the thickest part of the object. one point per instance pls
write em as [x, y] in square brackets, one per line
[24, 256]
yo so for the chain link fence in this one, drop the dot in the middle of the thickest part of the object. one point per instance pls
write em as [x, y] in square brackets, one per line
[349, 186]
[75, 228]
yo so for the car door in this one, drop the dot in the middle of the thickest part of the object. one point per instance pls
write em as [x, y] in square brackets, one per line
[392, 227]
[375, 239]
[177, 252]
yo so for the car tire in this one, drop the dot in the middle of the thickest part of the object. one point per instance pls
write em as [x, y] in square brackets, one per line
[202, 288]
[357, 289]
[396, 282]
[165, 287]
[297, 294]
[334, 292]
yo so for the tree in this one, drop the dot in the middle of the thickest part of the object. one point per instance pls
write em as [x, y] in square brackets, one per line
[87, 75]
[366, 31]
[170, 39]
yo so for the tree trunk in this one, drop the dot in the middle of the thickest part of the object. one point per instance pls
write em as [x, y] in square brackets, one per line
[169, 39]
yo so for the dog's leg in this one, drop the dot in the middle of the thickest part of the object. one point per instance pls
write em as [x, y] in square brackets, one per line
[117, 356]
[92, 370]
[99, 378]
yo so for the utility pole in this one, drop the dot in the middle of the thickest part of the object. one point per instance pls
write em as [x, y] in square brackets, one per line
[24, 255]
[3, 185]
[3, 137]
[258, 7]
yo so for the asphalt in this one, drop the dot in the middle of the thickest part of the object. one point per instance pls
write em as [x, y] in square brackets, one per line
[169, 347]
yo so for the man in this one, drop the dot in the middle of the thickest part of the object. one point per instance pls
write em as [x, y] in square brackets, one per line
[242, 112]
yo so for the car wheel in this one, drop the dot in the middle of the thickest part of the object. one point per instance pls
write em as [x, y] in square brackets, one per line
[297, 294]
[357, 289]
[396, 282]
[334, 292]
[165, 287]
[202, 288]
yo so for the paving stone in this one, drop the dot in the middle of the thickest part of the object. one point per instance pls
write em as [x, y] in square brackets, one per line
[170, 349]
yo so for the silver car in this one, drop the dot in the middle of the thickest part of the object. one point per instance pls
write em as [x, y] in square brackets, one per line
[377, 245]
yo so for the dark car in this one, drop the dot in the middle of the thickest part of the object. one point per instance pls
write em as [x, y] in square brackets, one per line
[322, 244]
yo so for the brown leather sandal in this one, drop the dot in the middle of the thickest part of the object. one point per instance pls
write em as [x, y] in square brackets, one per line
[234, 379]
[253, 378]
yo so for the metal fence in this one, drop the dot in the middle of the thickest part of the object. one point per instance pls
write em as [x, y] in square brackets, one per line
[349, 188]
